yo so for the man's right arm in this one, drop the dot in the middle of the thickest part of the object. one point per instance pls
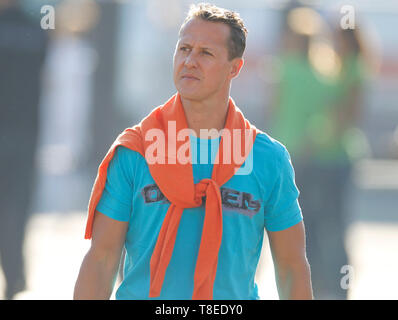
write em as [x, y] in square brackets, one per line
[100, 265]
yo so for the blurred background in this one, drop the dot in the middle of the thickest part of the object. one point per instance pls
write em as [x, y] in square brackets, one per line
[319, 76]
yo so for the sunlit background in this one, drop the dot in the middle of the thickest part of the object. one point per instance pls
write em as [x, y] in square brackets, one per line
[106, 64]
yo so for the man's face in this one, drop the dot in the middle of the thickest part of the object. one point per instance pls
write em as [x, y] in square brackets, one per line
[201, 65]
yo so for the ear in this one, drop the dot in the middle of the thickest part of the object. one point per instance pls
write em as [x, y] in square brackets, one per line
[237, 64]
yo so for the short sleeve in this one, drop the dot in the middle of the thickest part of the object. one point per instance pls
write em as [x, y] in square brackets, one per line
[116, 199]
[282, 209]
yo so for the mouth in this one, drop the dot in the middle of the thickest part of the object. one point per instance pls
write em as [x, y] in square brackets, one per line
[189, 77]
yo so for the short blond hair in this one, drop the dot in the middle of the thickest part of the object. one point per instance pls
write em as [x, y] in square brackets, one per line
[237, 40]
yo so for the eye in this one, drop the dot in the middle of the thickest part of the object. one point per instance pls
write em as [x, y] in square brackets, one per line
[207, 53]
[184, 49]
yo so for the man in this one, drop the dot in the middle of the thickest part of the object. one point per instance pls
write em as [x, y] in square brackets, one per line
[194, 230]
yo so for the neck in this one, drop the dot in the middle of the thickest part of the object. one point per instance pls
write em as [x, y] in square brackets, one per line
[209, 114]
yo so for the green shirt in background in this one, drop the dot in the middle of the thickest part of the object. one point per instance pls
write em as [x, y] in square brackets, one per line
[304, 118]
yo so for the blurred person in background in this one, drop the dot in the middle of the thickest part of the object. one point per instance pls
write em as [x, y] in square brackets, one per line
[317, 106]
[66, 107]
[22, 53]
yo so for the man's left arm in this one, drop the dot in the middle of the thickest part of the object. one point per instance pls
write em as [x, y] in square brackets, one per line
[292, 271]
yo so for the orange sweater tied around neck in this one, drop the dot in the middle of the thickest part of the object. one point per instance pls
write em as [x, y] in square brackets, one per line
[175, 180]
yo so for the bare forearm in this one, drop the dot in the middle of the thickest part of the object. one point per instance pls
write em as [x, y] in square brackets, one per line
[96, 278]
[294, 281]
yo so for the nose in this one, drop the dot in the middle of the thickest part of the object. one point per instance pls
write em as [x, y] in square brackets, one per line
[190, 60]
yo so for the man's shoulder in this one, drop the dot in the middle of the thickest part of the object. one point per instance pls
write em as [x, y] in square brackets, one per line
[125, 154]
[267, 146]
[269, 157]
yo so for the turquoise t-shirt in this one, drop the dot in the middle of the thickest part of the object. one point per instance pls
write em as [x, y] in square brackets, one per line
[262, 195]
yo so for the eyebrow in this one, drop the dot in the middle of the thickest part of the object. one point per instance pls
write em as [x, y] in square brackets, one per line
[188, 45]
